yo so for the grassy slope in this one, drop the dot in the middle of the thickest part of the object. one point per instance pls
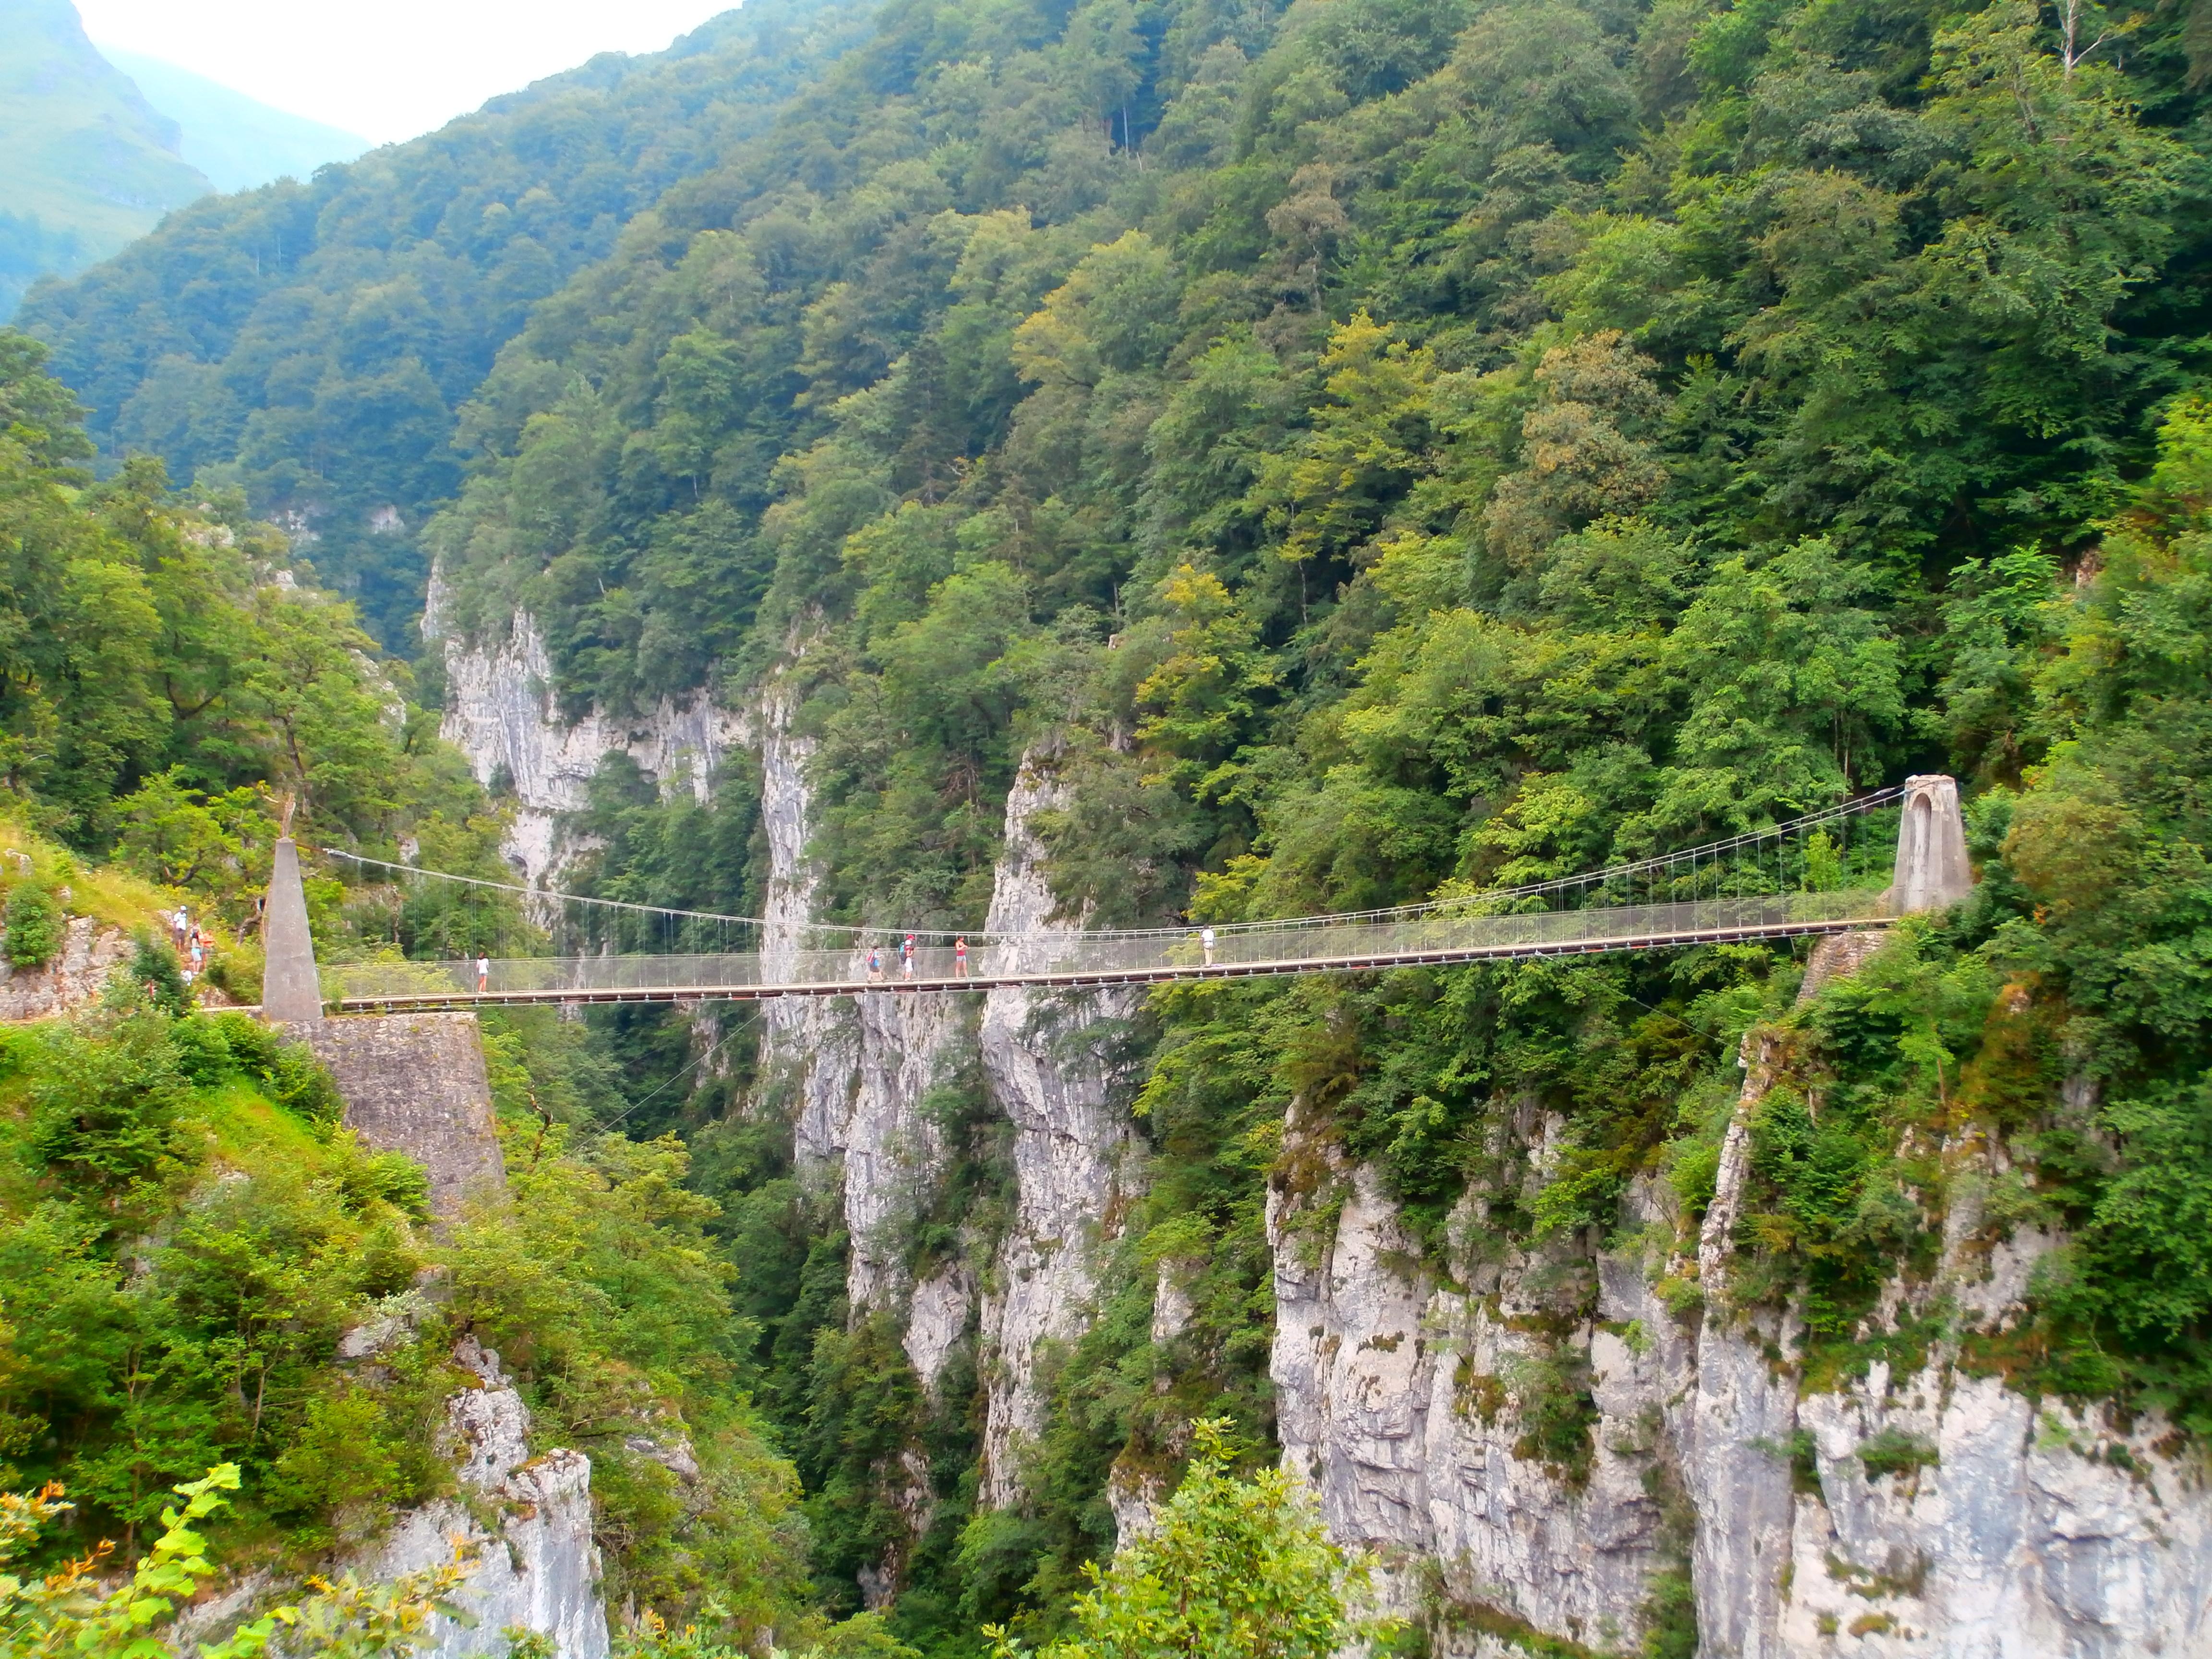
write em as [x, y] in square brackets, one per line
[108, 893]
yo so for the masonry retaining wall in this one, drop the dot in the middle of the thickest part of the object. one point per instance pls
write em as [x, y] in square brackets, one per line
[416, 1084]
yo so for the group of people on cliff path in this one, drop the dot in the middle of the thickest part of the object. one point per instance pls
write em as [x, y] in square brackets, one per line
[194, 943]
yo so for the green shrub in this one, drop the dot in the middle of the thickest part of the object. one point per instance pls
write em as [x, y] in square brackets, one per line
[154, 966]
[1559, 1415]
[295, 1079]
[304, 1087]
[104, 1114]
[1895, 1452]
[1235, 1567]
[202, 1054]
[393, 1178]
[34, 925]
[252, 1045]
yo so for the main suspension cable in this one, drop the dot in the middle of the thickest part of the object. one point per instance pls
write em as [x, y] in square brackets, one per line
[1707, 855]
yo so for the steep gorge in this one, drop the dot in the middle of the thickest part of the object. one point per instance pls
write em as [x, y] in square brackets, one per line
[1919, 1506]
[861, 1081]
[1155, 461]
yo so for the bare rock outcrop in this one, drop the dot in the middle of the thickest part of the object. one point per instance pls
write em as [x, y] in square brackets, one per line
[1054, 1065]
[76, 975]
[1402, 1402]
[851, 1073]
[524, 1522]
[500, 713]
[1946, 1515]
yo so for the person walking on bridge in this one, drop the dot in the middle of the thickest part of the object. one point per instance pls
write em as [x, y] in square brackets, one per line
[960, 958]
[875, 964]
[483, 974]
[1205, 944]
[905, 956]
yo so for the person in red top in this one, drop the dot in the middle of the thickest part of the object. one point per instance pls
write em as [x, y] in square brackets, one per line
[905, 956]
[960, 958]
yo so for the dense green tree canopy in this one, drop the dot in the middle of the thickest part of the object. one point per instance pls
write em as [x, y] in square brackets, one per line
[1368, 449]
[309, 343]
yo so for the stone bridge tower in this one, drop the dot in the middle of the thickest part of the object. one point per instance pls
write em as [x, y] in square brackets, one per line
[1932, 871]
[411, 1083]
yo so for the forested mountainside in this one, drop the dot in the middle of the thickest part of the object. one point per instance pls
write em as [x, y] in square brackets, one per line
[1117, 463]
[1398, 348]
[187, 1231]
[1369, 452]
[309, 343]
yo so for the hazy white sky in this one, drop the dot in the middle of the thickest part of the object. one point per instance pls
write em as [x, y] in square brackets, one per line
[389, 69]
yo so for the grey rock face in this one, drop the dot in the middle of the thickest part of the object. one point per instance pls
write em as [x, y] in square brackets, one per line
[1399, 1403]
[77, 974]
[2025, 1534]
[538, 1569]
[854, 1073]
[1994, 1528]
[1052, 1066]
[500, 712]
[850, 1072]
[936, 1318]
[1741, 1410]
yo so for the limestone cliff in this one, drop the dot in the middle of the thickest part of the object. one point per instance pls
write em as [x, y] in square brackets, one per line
[524, 1522]
[1937, 1513]
[853, 1075]
[500, 712]
[849, 1072]
[1056, 1068]
[76, 976]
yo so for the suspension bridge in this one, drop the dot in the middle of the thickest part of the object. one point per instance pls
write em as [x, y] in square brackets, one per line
[1835, 871]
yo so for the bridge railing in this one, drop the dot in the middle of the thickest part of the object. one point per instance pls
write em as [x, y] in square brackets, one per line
[1067, 954]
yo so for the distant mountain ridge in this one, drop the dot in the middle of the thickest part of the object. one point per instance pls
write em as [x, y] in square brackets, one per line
[239, 142]
[92, 163]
